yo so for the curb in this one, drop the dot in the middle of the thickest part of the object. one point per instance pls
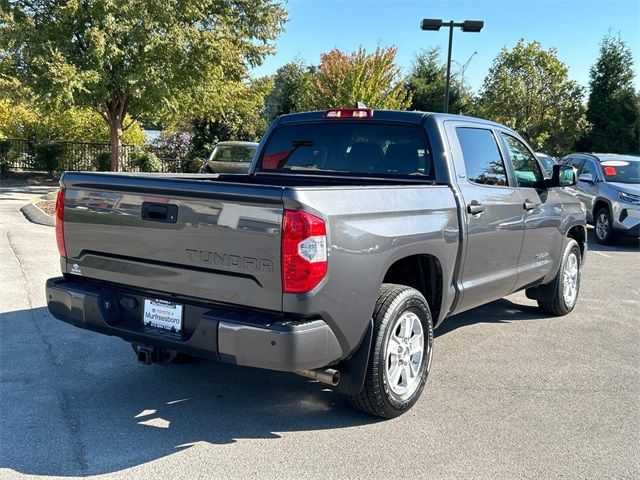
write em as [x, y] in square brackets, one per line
[35, 215]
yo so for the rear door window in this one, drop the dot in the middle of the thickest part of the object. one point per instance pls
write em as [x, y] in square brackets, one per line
[482, 158]
[348, 147]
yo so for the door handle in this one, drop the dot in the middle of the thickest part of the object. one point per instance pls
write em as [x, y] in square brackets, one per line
[528, 205]
[155, 212]
[475, 208]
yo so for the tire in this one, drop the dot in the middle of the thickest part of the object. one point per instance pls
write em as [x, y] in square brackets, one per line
[205, 169]
[567, 282]
[384, 394]
[605, 234]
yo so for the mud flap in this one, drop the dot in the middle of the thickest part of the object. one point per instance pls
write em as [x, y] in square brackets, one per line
[353, 370]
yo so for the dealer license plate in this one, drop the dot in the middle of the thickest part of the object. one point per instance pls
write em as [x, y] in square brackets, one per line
[162, 314]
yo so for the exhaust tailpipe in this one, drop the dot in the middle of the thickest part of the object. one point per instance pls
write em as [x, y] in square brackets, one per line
[328, 376]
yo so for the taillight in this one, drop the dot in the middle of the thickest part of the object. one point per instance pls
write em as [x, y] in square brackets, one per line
[349, 113]
[304, 251]
[60, 223]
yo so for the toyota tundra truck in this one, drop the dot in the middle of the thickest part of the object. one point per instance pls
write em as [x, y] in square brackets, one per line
[353, 235]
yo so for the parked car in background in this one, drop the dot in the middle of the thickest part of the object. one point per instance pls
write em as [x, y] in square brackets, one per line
[230, 157]
[609, 187]
[546, 161]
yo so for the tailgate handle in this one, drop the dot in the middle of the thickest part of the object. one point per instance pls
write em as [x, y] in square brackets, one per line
[159, 212]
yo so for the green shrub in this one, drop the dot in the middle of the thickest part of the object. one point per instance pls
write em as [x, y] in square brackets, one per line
[48, 156]
[102, 162]
[192, 165]
[146, 162]
[5, 159]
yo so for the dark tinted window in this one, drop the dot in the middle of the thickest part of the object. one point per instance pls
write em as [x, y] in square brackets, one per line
[622, 171]
[576, 162]
[482, 158]
[525, 165]
[354, 147]
[590, 168]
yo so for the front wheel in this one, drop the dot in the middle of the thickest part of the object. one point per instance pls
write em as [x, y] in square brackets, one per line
[401, 352]
[567, 282]
[605, 234]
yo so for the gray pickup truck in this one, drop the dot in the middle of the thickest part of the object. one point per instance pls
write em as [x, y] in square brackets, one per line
[355, 233]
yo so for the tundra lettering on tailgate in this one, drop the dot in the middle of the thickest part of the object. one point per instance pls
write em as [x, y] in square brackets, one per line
[231, 261]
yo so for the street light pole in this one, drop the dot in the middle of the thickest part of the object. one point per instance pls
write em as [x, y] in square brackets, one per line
[463, 67]
[467, 26]
[448, 80]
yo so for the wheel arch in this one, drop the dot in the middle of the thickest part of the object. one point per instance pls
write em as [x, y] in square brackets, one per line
[599, 203]
[579, 234]
[423, 272]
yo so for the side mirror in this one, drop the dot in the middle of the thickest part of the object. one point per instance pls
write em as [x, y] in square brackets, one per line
[586, 177]
[563, 176]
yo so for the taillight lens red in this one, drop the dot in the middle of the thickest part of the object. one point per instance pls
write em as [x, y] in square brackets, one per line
[304, 251]
[60, 223]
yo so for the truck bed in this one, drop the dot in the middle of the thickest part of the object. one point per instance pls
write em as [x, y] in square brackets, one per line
[224, 245]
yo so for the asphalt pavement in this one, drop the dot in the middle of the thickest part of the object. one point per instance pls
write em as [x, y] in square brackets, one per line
[513, 394]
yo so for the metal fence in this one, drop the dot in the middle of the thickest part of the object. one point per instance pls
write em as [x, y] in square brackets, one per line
[18, 154]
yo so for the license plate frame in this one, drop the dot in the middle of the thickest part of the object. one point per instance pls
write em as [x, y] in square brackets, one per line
[163, 315]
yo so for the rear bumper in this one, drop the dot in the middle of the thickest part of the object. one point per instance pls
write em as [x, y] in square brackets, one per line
[251, 338]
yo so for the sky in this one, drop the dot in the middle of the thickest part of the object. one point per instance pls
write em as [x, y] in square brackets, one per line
[575, 28]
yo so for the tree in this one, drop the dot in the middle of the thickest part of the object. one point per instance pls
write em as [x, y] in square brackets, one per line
[427, 84]
[133, 56]
[25, 119]
[240, 118]
[613, 109]
[528, 89]
[342, 79]
[291, 86]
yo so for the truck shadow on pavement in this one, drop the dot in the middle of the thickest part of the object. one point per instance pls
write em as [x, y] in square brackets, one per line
[76, 403]
[79, 404]
[499, 311]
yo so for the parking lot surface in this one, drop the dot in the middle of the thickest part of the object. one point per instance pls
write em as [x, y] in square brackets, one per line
[512, 393]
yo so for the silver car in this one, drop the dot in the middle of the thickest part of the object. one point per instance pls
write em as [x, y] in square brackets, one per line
[609, 187]
[230, 157]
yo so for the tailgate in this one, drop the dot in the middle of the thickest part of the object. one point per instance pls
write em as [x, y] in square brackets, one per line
[195, 237]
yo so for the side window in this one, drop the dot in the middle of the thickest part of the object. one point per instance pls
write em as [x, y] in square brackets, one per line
[526, 166]
[590, 168]
[576, 162]
[482, 157]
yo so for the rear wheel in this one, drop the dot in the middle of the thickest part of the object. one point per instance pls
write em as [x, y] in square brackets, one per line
[400, 356]
[567, 282]
[605, 234]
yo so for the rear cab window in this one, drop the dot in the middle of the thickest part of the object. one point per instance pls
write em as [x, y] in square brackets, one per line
[348, 147]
